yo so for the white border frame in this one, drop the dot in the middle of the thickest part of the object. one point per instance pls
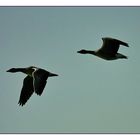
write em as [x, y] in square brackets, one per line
[69, 2]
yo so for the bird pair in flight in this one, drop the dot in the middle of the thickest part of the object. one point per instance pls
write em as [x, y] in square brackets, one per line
[36, 78]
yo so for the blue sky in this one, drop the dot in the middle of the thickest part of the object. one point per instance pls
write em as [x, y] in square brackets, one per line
[90, 95]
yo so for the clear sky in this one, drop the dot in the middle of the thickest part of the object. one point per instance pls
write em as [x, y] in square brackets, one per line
[90, 95]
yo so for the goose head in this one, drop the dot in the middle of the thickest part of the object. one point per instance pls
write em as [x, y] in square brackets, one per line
[28, 70]
[82, 51]
[12, 70]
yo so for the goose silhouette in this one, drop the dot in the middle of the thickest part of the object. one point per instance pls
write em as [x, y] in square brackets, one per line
[109, 49]
[35, 81]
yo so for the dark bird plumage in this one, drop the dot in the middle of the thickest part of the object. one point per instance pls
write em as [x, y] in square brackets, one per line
[35, 81]
[109, 49]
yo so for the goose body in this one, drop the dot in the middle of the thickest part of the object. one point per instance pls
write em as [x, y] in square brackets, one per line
[35, 81]
[109, 49]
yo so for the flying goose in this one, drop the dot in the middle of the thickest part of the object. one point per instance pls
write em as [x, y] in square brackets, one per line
[109, 49]
[35, 81]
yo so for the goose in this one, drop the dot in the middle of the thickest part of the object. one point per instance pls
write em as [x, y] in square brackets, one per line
[109, 49]
[35, 81]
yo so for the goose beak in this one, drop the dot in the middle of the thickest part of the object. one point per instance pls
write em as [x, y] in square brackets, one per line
[10, 70]
[52, 74]
[79, 51]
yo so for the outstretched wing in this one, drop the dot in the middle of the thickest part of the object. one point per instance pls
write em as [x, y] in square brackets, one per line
[39, 80]
[27, 90]
[111, 45]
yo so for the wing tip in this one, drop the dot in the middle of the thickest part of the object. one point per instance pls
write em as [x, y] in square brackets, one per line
[21, 103]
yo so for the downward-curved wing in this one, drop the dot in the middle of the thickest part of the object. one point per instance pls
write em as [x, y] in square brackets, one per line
[27, 90]
[39, 80]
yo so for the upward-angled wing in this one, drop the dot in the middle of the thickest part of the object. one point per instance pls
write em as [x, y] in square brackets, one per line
[27, 90]
[111, 45]
[122, 43]
[39, 80]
